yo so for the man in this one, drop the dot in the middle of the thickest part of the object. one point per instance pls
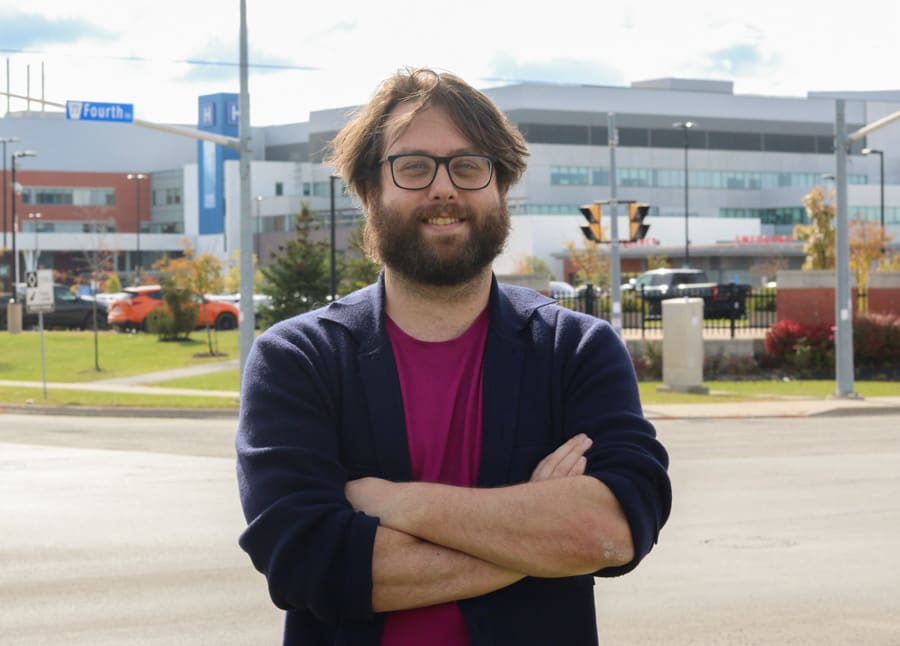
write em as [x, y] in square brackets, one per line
[439, 459]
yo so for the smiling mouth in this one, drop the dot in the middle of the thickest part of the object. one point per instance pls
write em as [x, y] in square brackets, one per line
[443, 220]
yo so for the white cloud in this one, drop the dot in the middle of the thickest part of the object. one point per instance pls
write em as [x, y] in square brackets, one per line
[768, 47]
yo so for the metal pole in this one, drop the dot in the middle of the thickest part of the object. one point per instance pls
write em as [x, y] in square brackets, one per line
[137, 222]
[614, 261]
[333, 272]
[843, 320]
[4, 141]
[883, 239]
[15, 278]
[687, 240]
[5, 190]
[685, 126]
[247, 323]
[258, 205]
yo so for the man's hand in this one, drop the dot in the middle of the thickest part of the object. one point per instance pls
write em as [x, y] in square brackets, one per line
[567, 460]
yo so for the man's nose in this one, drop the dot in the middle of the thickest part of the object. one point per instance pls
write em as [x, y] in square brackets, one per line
[442, 186]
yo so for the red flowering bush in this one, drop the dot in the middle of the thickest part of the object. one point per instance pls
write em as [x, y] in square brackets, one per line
[876, 340]
[806, 348]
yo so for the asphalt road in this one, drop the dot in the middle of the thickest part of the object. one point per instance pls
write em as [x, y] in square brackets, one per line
[123, 531]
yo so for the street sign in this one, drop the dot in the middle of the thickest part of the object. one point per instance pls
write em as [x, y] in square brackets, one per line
[39, 291]
[95, 111]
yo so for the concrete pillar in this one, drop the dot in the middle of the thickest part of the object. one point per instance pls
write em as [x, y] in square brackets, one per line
[13, 317]
[682, 355]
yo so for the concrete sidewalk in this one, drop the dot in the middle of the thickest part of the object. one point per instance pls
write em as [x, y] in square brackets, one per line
[140, 384]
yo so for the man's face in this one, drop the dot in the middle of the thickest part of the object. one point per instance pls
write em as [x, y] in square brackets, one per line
[439, 235]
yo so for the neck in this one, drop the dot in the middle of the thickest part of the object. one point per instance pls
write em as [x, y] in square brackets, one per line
[430, 313]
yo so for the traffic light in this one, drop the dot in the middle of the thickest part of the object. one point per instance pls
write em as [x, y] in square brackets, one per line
[592, 213]
[637, 211]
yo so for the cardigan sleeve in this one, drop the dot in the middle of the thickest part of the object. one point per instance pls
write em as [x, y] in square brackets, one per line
[303, 535]
[601, 400]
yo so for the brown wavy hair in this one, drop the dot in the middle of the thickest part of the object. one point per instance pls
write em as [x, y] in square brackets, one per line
[357, 150]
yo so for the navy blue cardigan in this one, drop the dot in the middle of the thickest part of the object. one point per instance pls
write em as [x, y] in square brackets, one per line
[321, 405]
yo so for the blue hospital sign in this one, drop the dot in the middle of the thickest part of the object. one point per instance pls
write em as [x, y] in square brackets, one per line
[216, 113]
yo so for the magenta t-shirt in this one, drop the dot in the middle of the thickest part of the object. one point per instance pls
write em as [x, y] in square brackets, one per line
[441, 384]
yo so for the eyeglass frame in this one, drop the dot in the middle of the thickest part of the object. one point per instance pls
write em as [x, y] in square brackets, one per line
[438, 162]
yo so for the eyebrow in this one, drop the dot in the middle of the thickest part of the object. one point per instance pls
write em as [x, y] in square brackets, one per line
[422, 151]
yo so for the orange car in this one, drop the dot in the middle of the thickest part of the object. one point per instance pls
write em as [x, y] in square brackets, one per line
[131, 311]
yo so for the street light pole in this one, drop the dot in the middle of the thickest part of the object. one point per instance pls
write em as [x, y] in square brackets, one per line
[880, 153]
[331, 180]
[13, 158]
[685, 126]
[3, 142]
[37, 237]
[259, 199]
[137, 220]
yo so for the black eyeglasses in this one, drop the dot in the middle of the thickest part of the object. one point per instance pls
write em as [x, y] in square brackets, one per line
[416, 171]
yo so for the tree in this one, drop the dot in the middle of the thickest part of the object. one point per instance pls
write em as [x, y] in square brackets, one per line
[179, 317]
[533, 266]
[232, 273]
[818, 236]
[200, 273]
[298, 279]
[590, 266]
[355, 267]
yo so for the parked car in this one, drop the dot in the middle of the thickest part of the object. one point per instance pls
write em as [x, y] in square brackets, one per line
[720, 300]
[70, 312]
[131, 311]
[559, 288]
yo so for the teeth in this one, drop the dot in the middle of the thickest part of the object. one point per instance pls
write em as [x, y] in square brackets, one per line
[443, 220]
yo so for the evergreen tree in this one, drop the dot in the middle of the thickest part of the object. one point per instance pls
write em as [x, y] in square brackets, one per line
[356, 268]
[298, 278]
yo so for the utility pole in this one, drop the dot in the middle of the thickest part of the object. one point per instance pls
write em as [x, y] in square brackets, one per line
[614, 261]
[247, 323]
[843, 307]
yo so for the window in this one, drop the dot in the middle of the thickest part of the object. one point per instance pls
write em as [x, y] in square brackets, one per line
[279, 188]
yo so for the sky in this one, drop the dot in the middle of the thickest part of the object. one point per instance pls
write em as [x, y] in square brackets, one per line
[306, 56]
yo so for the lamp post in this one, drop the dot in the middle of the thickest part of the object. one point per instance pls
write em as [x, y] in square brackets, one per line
[331, 180]
[3, 142]
[880, 153]
[137, 219]
[685, 126]
[259, 199]
[16, 155]
[37, 237]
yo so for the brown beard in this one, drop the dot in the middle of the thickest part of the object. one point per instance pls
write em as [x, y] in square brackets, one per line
[396, 240]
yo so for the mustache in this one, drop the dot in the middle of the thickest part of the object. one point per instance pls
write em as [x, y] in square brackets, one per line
[445, 210]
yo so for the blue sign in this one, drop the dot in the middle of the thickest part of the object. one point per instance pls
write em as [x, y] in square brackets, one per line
[93, 111]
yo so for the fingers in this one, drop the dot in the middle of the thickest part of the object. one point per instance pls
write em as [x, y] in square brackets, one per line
[567, 460]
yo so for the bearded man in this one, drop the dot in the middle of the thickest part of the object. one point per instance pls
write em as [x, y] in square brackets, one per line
[438, 458]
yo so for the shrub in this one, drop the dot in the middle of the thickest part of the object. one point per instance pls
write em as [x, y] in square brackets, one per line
[876, 340]
[805, 349]
[177, 318]
[648, 361]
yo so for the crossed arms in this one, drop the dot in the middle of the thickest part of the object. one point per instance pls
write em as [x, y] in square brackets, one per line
[438, 543]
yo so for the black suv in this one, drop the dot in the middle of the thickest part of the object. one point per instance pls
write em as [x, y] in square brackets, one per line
[69, 312]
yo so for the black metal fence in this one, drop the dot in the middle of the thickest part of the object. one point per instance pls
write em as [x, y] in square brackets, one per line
[730, 311]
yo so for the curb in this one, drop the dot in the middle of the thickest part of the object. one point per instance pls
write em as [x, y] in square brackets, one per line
[95, 411]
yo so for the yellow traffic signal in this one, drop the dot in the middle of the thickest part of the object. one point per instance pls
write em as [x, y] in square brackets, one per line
[637, 211]
[593, 214]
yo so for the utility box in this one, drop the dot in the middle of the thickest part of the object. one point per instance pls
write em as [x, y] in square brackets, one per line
[682, 351]
[13, 317]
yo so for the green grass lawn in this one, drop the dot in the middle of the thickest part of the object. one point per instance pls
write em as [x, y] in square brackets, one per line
[70, 358]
